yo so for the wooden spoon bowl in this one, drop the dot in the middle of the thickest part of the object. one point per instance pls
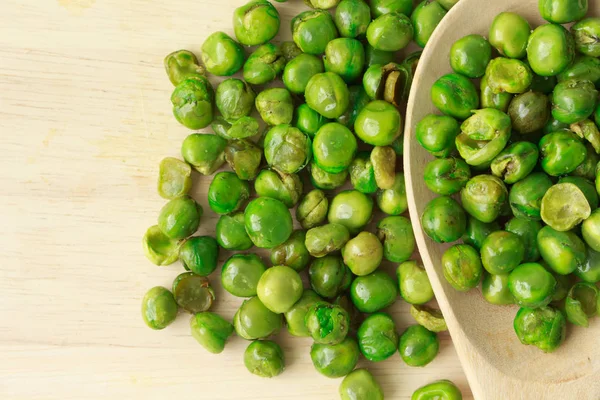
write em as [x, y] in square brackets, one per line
[497, 365]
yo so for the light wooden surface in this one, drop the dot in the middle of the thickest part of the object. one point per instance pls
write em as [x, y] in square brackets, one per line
[497, 365]
[84, 121]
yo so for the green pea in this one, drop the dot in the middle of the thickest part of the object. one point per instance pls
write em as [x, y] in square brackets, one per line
[264, 358]
[377, 337]
[159, 308]
[379, 123]
[455, 95]
[415, 287]
[443, 220]
[211, 331]
[255, 23]
[584, 68]
[508, 75]
[588, 131]
[360, 384]
[561, 153]
[363, 254]
[335, 360]
[529, 112]
[550, 63]
[286, 188]
[345, 57]
[442, 389]
[264, 64]
[268, 222]
[390, 32]
[590, 230]
[352, 17]
[470, 56]
[543, 327]
[351, 209]
[527, 230]
[234, 98]
[240, 274]
[222, 55]
[299, 70]
[564, 252]
[373, 292]
[590, 270]
[562, 11]
[490, 99]
[437, 133]
[296, 315]
[244, 158]
[174, 178]
[418, 346]
[329, 276]
[362, 174]
[484, 197]
[327, 323]
[192, 102]
[494, 289]
[275, 106]
[425, 18]
[287, 149]
[531, 285]
[312, 209]
[231, 232]
[199, 254]
[204, 152]
[396, 235]
[515, 162]
[586, 33]
[501, 252]
[526, 196]
[446, 176]
[428, 317]
[182, 64]
[255, 321]
[312, 30]
[327, 94]
[326, 180]
[462, 267]
[477, 231]
[586, 187]
[159, 248]
[290, 50]
[279, 288]
[393, 201]
[180, 217]
[308, 120]
[509, 34]
[581, 303]
[326, 239]
[573, 100]
[292, 253]
[334, 147]
[193, 292]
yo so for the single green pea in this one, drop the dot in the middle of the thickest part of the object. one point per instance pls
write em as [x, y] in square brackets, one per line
[418, 346]
[222, 55]
[337, 360]
[396, 80]
[231, 232]
[393, 201]
[193, 292]
[444, 220]
[372, 79]
[377, 337]
[573, 100]
[590, 230]
[508, 75]
[494, 289]
[286, 188]
[446, 176]
[396, 235]
[327, 94]
[159, 308]
[390, 32]
[182, 64]
[415, 287]
[200, 254]
[256, 22]
[581, 303]
[264, 64]
[586, 33]
[377, 57]
[564, 252]
[287, 149]
[240, 274]
[255, 321]
[327, 323]
[308, 120]
[352, 17]
[529, 112]
[363, 254]
[279, 288]
[362, 174]
[234, 98]
[192, 102]
[437, 134]
[526, 195]
[211, 331]
[326, 180]
[515, 162]
[329, 276]
[312, 209]
[334, 147]
[204, 152]
[275, 106]
[588, 131]
[462, 267]
[546, 62]
[352, 209]
[428, 317]
[174, 178]
[383, 159]
[242, 128]
[326, 239]
[561, 153]
[562, 11]
[379, 123]
[345, 57]
[299, 70]
[470, 56]
[543, 327]
[425, 18]
[527, 230]
[268, 222]
[501, 252]
[584, 68]
[360, 384]
[312, 30]
[227, 193]
[244, 158]
[489, 99]
[477, 231]
[180, 217]
[590, 270]
[484, 197]
[264, 358]
[358, 100]
[455, 95]
[296, 315]
[292, 252]
[159, 248]
[509, 34]
[442, 390]
[373, 292]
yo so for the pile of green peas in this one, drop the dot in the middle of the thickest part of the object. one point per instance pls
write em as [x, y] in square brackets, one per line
[522, 155]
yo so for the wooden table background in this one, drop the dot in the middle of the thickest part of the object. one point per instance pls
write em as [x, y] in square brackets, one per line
[84, 121]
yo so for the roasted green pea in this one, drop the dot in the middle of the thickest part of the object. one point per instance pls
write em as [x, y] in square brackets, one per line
[268, 222]
[583, 68]
[345, 57]
[174, 178]
[373, 292]
[362, 174]
[573, 100]
[515, 162]
[442, 390]
[462, 267]
[286, 188]
[335, 360]
[308, 120]
[526, 195]
[255, 321]
[275, 106]
[159, 308]
[211, 331]
[509, 34]
[477, 231]
[377, 337]
[329, 276]
[562, 11]
[581, 303]
[227, 193]
[561, 153]
[299, 70]
[352, 209]
[586, 33]
[352, 17]
[327, 323]
[425, 18]
[292, 252]
[543, 327]
[379, 123]
[240, 274]
[550, 63]
[390, 32]
[182, 64]
[279, 288]
[180, 217]
[192, 102]
[264, 358]
[428, 317]
[231, 232]
[326, 180]
[383, 159]
[244, 158]
[586, 187]
[418, 346]
[393, 201]
[312, 209]
[327, 94]
[264, 64]
[363, 253]
[590, 230]
[204, 152]
[199, 254]
[484, 197]
[159, 248]
[489, 99]
[470, 56]
[372, 79]
[455, 95]
[446, 176]
[234, 98]
[529, 112]
[437, 133]
[415, 287]
[508, 75]
[564, 252]
[501, 252]
[443, 220]
[193, 292]
[326, 239]
[396, 235]
[360, 384]
[312, 30]
[256, 22]
[334, 147]
[494, 289]
[287, 149]
[296, 315]
[565, 205]
[222, 55]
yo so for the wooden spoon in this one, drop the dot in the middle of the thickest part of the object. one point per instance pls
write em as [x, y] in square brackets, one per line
[497, 365]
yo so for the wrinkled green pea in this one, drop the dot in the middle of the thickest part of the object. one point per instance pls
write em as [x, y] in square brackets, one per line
[240, 274]
[180, 217]
[275, 106]
[182, 64]
[443, 220]
[200, 254]
[581, 303]
[264, 358]
[352, 17]
[159, 248]
[352, 209]
[561, 153]
[377, 337]
[296, 315]
[312, 209]
[345, 57]
[573, 100]
[326, 239]
[329, 276]
[437, 133]
[393, 201]
[337, 360]
[222, 55]
[264, 64]
[543, 61]
[234, 98]
[159, 308]
[396, 235]
[446, 176]
[390, 32]
[509, 34]
[586, 34]
[286, 188]
[268, 222]
[543, 327]
[484, 197]
[418, 346]
[287, 149]
[312, 30]
[327, 94]
[455, 95]
[415, 287]
[515, 162]
[373, 292]
[363, 253]
[193, 292]
[192, 102]
[362, 174]
[462, 267]
[299, 70]
[428, 317]
[501, 252]
[256, 22]
[588, 131]
[204, 152]
[211, 331]
[470, 56]
[327, 323]
[326, 180]
[292, 253]
[489, 99]
[425, 18]
[244, 158]
[174, 178]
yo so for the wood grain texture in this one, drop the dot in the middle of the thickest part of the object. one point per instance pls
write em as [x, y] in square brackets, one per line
[497, 365]
[84, 121]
